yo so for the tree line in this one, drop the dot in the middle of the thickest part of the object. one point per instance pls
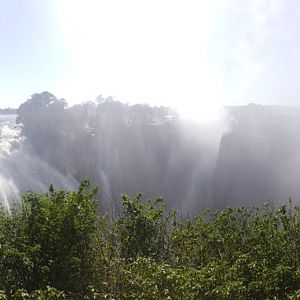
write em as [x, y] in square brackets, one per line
[62, 245]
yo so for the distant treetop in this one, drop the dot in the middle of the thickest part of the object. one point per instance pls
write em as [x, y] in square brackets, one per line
[8, 111]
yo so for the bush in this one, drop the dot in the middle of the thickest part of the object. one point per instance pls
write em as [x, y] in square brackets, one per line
[49, 240]
[57, 246]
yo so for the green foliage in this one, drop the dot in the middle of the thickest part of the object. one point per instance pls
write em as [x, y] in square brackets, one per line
[141, 229]
[57, 246]
[48, 241]
[47, 294]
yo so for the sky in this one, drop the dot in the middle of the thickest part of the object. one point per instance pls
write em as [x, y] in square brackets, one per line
[192, 54]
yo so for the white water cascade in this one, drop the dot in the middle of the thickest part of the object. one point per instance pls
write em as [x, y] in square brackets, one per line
[20, 168]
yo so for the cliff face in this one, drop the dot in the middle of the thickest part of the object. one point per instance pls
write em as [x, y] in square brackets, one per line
[138, 148]
[259, 159]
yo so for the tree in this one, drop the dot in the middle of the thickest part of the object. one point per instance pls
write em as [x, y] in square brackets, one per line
[52, 241]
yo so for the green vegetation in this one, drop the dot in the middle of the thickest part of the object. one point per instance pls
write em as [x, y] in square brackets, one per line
[59, 245]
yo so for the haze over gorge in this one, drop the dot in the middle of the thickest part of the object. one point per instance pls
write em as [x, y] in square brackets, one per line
[248, 156]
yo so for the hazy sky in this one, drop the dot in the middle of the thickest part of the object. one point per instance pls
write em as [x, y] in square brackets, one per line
[195, 54]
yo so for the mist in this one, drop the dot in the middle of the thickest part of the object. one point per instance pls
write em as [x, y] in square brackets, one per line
[248, 155]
